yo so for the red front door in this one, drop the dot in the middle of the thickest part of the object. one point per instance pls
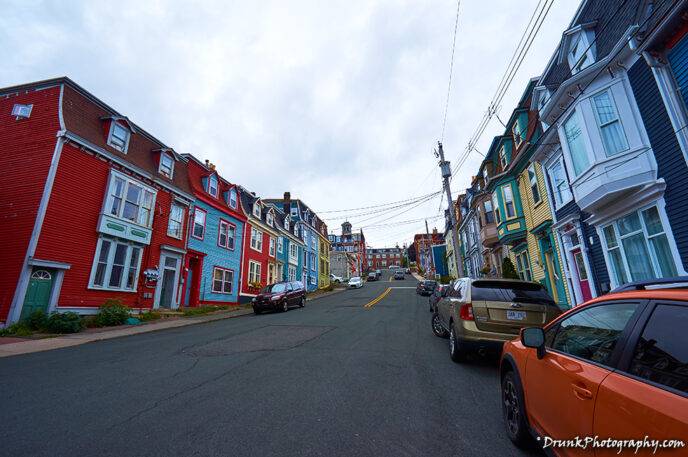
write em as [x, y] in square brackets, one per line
[582, 274]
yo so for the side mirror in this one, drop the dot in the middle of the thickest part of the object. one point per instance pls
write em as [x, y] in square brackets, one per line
[534, 337]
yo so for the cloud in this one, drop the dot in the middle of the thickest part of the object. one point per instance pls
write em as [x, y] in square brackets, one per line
[339, 102]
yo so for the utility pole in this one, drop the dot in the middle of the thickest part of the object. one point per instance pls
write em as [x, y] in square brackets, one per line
[446, 174]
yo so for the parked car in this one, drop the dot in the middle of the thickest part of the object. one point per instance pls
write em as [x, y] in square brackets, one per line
[479, 315]
[439, 292]
[279, 297]
[372, 276]
[399, 274]
[408, 271]
[619, 363]
[336, 279]
[378, 273]
[355, 283]
[426, 287]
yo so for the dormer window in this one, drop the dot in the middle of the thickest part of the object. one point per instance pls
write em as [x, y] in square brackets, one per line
[118, 137]
[166, 167]
[503, 160]
[212, 185]
[270, 219]
[286, 223]
[516, 131]
[233, 198]
[256, 210]
[581, 48]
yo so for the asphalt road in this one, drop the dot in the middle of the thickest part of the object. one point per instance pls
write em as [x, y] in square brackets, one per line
[334, 378]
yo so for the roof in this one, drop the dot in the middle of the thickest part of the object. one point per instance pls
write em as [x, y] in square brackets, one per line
[197, 170]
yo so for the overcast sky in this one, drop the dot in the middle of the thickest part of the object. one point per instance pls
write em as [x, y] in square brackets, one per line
[338, 102]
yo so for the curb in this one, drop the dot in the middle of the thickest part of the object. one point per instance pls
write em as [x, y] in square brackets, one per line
[77, 339]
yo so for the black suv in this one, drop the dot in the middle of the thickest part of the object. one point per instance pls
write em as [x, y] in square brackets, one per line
[279, 297]
[426, 287]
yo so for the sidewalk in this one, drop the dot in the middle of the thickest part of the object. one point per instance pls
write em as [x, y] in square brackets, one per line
[47, 344]
[417, 276]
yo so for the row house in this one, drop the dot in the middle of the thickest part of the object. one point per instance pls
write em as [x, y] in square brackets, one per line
[323, 254]
[352, 243]
[423, 243]
[94, 207]
[344, 264]
[290, 247]
[381, 258]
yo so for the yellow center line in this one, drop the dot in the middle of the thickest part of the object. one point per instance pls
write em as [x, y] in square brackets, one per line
[378, 298]
[390, 278]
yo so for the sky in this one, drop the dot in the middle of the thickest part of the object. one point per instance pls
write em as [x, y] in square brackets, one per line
[339, 102]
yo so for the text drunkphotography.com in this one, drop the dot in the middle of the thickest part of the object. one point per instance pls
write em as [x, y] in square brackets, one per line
[611, 443]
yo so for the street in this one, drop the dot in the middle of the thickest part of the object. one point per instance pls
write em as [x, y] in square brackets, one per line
[333, 378]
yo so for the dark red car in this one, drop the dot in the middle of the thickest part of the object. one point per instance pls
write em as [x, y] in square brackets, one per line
[279, 297]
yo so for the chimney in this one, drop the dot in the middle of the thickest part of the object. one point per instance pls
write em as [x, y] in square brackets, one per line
[286, 203]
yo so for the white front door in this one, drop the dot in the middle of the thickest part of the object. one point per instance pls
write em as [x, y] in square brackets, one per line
[166, 290]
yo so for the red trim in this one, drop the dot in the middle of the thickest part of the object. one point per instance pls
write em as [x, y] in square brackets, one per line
[193, 224]
[218, 234]
[231, 285]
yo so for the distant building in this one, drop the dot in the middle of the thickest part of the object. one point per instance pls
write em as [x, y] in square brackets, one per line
[379, 258]
[352, 243]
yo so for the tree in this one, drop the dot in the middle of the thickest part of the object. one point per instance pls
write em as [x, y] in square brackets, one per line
[508, 269]
[404, 262]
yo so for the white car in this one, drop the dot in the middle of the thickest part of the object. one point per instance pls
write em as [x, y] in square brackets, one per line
[336, 279]
[355, 283]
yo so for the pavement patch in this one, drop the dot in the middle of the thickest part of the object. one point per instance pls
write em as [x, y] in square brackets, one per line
[268, 338]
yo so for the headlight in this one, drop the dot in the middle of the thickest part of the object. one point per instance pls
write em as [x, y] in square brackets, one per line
[253, 299]
[276, 297]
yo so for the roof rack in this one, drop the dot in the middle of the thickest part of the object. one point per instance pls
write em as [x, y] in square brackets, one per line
[677, 282]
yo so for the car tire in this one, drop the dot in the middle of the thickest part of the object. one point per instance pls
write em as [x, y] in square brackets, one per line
[513, 411]
[285, 307]
[437, 327]
[302, 303]
[256, 311]
[456, 352]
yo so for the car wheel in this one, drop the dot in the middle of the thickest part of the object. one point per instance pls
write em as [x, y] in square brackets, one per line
[513, 409]
[256, 310]
[456, 352]
[302, 303]
[437, 327]
[285, 306]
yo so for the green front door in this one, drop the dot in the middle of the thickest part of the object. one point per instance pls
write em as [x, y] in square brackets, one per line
[38, 294]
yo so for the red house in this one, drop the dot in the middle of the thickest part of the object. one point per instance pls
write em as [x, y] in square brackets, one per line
[93, 207]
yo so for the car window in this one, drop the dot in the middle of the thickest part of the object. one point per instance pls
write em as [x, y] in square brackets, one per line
[509, 291]
[661, 354]
[277, 288]
[592, 333]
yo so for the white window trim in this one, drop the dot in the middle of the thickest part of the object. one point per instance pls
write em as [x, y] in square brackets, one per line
[160, 170]
[217, 185]
[193, 223]
[591, 100]
[254, 271]
[513, 201]
[109, 198]
[231, 281]
[271, 247]
[531, 169]
[558, 160]
[280, 245]
[586, 37]
[126, 143]
[111, 255]
[257, 236]
[233, 238]
[270, 219]
[256, 210]
[233, 201]
[181, 222]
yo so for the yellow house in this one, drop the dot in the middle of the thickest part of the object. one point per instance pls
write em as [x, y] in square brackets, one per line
[323, 256]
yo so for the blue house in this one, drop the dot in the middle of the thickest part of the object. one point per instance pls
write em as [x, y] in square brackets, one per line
[290, 247]
[213, 260]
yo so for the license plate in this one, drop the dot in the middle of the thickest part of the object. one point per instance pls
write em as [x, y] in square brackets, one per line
[515, 315]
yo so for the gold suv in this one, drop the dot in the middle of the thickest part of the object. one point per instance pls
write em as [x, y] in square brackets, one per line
[479, 315]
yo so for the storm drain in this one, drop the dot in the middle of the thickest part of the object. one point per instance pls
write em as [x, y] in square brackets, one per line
[269, 338]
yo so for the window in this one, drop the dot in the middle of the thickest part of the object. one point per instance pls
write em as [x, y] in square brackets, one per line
[253, 272]
[573, 132]
[119, 137]
[257, 240]
[592, 333]
[638, 247]
[560, 186]
[291, 273]
[176, 223]
[272, 247]
[293, 253]
[661, 355]
[130, 200]
[256, 210]
[523, 266]
[532, 177]
[518, 136]
[222, 280]
[20, 111]
[613, 136]
[166, 167]
[503, 160]
[509, 208]
[233, 198]
[280, 245]
[286, 223]
[199, 224]
[495, 205]
[226, 234]
[212, 185]
[294, 211]
[116, 265]
[270, 219]
[581, 53]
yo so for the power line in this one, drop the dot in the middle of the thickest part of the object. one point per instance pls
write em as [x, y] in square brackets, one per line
[451, 68]
[383, 210]
[375, 206]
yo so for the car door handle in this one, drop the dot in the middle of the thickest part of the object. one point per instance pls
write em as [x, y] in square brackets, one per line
[581, 392]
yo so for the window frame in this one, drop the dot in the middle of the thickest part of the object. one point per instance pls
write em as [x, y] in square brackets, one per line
[272, 247]
[534, 186]
[270, 219]
[255, 271]
[219, 231]
[523, 265]
[257, 236]
[503, 160]
[126, 266]
[111, 134]
[280, 244]
[181, 221]
[496, 209]
[111, 196]
[600, 125]
[513, 201]
[213, 179]
[559, 163]
[193, 223]
[223, 280]
[233, 198]
[163, 156]
[256, 210]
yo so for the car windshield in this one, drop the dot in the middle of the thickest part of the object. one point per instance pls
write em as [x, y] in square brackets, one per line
[510, 291]
[355, 278]
[429, 283]
[275, 288]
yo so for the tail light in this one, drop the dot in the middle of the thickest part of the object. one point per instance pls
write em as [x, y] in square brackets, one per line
[466, 312]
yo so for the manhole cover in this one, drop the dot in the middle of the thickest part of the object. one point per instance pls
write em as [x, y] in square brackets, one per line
[269, 338]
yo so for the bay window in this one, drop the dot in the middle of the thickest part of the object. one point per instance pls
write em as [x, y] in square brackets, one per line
[116, 265]
[175, 224]
[532, 178]
[509, 209]
[256, 240]
[559, 183]
[222, 280]
[199, 224]
[495, 205]
[226, 234]
[573, 132]
[638, 248]
[611, 130]
[130, 200]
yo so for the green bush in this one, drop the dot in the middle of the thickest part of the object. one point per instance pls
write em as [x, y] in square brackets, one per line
[508, 269]
[18, 329]
[149, 316]
[111, 313]
[64, 323]
[37, 320]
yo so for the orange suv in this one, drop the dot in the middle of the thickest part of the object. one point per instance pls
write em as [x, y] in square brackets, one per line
[615, 367]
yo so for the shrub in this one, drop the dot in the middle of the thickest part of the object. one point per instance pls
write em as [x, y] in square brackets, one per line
[18, 329]
[112, 312]
[64, 323]
[149, 316]
[508, 269]
[36, 320]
